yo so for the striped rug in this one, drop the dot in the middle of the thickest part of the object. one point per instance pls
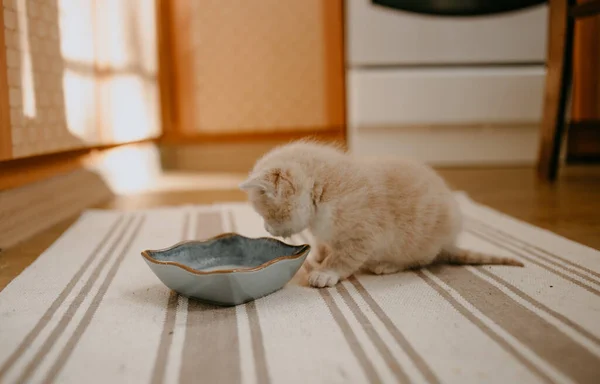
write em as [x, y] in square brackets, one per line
[90, 311]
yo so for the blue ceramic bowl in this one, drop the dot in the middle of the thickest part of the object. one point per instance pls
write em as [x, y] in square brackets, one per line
[229, 269]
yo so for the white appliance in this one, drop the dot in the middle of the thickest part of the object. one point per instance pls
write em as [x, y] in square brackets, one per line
[448, 90]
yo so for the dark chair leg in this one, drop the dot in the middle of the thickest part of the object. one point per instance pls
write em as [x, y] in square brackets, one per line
[558, 84]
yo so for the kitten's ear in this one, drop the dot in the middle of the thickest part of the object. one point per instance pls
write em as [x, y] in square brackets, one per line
[273, 182]
[250, 183]
[257, 183]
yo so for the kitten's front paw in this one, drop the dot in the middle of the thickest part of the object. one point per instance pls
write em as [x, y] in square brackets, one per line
[323, 278]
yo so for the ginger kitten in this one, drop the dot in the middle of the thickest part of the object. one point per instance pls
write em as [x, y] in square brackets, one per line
[383, 215]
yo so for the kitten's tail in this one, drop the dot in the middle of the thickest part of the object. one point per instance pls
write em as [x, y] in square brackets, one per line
[461, 256]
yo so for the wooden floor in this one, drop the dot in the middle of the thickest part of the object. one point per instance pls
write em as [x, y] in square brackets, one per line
[571, 207]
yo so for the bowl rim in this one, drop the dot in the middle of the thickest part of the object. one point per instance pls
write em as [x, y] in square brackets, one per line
[146, 254]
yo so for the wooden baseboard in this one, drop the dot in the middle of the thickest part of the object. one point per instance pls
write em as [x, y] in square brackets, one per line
[29, 209]
[229, 157]
[49, 194]
[19, 172]
[281, 135]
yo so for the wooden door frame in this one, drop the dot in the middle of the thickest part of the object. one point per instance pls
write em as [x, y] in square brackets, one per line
[5, 127]
[176, 90]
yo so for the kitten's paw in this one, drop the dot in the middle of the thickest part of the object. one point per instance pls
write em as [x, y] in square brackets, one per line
[323, 278]
[383, 268]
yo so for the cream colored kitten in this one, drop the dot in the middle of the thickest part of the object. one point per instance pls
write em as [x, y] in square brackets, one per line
[382, 215]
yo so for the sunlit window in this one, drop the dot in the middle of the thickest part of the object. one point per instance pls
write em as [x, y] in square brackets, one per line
[28, 92]
[110, 77]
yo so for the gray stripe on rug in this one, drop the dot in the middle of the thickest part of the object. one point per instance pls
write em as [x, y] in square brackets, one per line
[166, 336]
[258, 348]
[525, 243]
[65, 353]
[382, 348]
[350, 337]
[543, 338]
[73, 307]
[44, 320]
[419, 362]
[492, 232]
[484, 328]
[538, 305]
[211, 343]
[211, 346]
[256, 338]
[499, 244]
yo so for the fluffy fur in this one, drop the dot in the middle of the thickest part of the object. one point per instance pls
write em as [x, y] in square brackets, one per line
[383, 215]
